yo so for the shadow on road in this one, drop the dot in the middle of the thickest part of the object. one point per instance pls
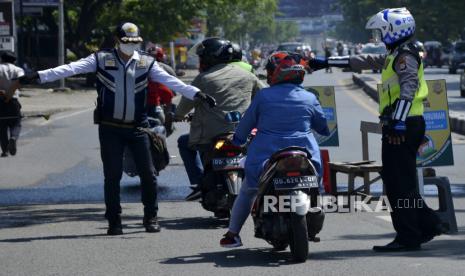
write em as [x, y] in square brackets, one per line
[449, 249]
[249, 257]
[30, 215]
[193, 223]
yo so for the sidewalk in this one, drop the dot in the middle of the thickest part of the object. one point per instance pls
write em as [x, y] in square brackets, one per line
[456, 107]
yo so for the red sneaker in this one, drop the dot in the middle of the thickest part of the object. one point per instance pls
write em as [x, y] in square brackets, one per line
[230, 240]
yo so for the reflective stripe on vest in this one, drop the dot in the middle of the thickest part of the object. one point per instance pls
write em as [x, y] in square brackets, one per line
[391, 88]
[122, 87]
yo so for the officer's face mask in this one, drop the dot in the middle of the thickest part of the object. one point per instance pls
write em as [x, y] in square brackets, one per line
[128, 48]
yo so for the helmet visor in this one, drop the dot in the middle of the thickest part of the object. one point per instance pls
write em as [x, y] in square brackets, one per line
[376, 35]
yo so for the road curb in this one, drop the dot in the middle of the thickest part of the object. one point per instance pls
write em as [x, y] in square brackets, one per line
[456, 120]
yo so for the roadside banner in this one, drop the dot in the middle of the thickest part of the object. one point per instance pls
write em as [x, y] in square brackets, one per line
[436, 147]
[327, 99]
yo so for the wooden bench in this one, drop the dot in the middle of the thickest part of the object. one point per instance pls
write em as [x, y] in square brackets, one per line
[358, 168]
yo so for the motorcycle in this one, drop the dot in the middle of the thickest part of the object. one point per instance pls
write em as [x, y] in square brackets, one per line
[289, 174]
[223, 173]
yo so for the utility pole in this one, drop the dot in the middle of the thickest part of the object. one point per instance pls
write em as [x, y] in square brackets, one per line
[61, 40]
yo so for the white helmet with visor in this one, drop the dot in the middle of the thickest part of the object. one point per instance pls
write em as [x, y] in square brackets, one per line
[391, 25]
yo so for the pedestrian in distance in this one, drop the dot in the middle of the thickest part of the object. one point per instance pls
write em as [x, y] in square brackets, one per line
[10, 108]
[403, 126]
[122, 76]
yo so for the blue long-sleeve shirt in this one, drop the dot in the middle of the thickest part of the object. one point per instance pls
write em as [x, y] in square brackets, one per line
[285, 115]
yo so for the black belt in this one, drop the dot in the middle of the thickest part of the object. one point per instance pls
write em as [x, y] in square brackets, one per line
[122, 125]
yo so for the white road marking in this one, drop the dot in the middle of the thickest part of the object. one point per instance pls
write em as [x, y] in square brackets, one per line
[53, 119]
[58, 118]
[361, 101]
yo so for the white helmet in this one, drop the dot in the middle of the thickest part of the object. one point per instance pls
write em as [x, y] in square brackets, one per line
[392, 25]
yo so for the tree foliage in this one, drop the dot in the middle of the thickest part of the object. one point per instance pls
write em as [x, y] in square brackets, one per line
[89, 24]
[440, 20]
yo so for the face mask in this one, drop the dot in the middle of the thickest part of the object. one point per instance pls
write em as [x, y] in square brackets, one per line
[129, 48]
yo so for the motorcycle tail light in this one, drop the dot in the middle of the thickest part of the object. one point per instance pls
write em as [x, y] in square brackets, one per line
[219, 144]
[293, 173]
[292, 164]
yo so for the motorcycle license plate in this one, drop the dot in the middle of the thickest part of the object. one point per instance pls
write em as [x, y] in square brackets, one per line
[225, 163]
[295, 182]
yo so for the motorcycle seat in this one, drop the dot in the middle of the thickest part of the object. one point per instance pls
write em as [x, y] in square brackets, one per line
[289, 151]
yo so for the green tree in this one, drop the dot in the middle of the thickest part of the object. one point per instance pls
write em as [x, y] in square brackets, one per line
[441, 20]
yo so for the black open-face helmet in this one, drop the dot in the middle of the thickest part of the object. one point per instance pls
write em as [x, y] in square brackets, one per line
[237, 52]
[212, 51]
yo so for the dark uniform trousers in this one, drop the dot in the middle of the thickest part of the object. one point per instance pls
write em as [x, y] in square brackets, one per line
[9, 128]
[113, 140]
[413, 220]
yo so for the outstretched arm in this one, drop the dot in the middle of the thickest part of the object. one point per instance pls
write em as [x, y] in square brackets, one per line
[82, 66]
[356, 63]
[157, 74]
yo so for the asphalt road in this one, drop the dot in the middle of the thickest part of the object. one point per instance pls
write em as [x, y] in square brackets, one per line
[51, 213]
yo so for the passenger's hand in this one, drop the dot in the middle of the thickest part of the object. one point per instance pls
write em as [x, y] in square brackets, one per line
[206, 98]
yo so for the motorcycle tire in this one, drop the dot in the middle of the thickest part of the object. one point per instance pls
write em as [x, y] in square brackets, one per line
[298, 238]
[279, 245]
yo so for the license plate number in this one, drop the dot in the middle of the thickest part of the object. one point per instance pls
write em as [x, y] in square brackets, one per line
[295, 182]
[225, 163]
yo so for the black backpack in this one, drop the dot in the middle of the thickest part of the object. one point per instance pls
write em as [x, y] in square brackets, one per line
[160, 155]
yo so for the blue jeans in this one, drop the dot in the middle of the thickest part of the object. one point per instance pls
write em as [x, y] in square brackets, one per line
[113, 140]
[191, 159]
[242, 207]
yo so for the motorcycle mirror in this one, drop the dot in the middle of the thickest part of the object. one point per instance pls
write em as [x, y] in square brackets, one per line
[233, 117]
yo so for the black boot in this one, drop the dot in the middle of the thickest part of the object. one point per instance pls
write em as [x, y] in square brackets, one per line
[151, 224]
[114, 226]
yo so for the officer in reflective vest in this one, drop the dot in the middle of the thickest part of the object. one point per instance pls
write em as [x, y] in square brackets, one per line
[122, 77]
[401, 113]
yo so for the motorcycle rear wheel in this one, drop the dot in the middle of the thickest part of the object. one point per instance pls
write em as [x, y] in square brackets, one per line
[298, 237]
[279, 245]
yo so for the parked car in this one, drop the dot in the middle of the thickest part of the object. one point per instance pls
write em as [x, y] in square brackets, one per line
[462, 80]
[446, 53]
[457, 56]
[372, 48]
[433, 53]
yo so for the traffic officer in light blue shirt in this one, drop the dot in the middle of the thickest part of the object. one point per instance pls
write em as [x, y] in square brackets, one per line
[122, 76]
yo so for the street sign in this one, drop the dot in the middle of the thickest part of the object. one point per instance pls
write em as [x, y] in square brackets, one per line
[7, 43]
[327, 99]
[436, 147]
[41, 3]
[6, 19]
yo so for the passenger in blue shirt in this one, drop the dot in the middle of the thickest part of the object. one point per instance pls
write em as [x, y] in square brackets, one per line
[285, 115]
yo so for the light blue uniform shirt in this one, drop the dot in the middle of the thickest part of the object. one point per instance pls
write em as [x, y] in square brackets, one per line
[285, 115]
